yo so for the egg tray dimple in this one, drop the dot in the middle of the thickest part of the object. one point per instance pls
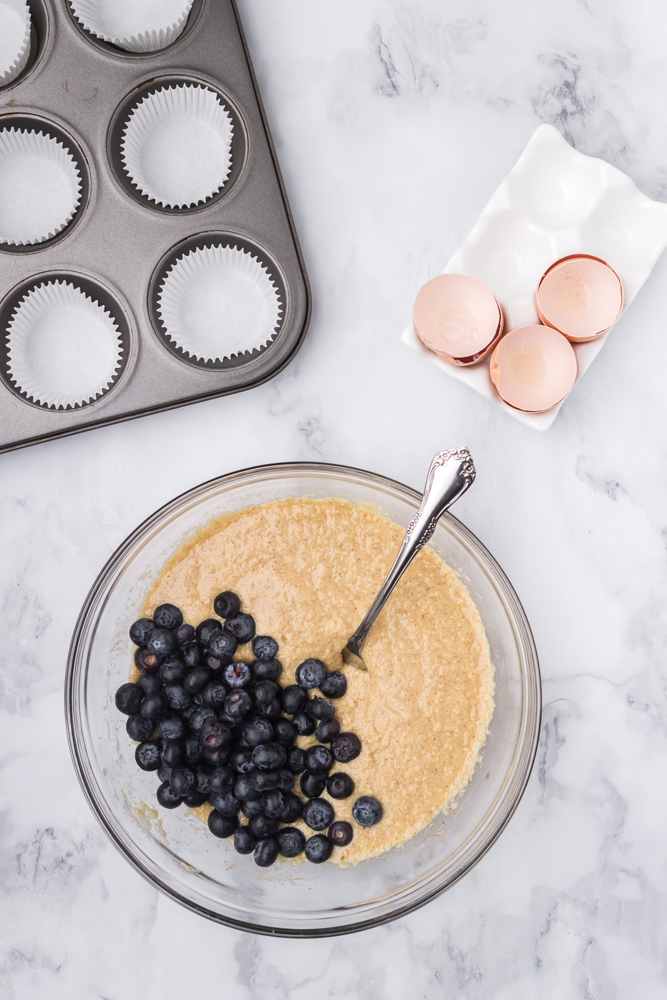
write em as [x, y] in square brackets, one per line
[80, 90]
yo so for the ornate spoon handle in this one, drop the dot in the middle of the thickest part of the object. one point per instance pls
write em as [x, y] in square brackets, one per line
[450, 475]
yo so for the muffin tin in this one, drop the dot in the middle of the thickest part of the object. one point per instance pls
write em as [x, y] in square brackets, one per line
[120, 244]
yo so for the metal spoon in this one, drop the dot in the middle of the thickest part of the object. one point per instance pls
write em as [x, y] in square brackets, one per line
[450, 475]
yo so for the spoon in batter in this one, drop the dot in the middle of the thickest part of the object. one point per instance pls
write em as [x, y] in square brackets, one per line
[450, 475]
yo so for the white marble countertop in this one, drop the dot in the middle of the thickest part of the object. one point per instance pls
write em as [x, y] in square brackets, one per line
[393, 122]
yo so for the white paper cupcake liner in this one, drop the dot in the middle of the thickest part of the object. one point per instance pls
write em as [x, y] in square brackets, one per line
[15, 26]
[64, 349]
[40, 187]
[134, 25]
[176, 147]
[218, 302]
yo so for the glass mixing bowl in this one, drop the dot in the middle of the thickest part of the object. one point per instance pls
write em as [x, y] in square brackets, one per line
[173, 850]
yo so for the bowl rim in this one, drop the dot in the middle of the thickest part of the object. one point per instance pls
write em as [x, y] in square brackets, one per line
[79, 636]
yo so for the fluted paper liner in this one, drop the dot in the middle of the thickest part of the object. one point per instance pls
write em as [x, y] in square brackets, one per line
[176, 147]
[40, 187]
[134, 25]
[218, 302]
[64, 349]
[15, 25]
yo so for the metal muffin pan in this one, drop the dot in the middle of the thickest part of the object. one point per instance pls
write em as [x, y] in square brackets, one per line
[119, 244]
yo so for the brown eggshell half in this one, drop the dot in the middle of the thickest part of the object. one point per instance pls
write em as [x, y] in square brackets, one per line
[580, 296]
[533, 368]
[458, 318]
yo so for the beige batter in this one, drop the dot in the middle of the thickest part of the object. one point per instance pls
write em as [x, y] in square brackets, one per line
[308, 570]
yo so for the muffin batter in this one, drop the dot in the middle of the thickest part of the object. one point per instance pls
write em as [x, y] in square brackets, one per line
[308, 570]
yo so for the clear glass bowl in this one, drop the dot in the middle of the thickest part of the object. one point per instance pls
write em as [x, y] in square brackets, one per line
[173, 850]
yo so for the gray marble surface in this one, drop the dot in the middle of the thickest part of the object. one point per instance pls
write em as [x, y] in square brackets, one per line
[394, 122]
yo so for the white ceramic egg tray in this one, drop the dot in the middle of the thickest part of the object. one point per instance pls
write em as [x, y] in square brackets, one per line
[554, 202]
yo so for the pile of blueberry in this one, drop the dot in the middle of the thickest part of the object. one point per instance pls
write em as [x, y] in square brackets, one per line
[216, 729]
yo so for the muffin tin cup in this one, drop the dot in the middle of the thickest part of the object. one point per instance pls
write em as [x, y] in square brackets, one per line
[133, 25]
[15, 37]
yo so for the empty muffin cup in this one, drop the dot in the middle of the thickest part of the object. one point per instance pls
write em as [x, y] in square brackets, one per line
[580, 296]
[458, 318]
[15, 23]
[63, 348]
[40, 187]
[176, 146]
[533, 368]
[133, 25]
[218, 302]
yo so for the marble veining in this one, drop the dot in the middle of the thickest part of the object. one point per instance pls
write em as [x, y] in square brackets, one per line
[393, 121]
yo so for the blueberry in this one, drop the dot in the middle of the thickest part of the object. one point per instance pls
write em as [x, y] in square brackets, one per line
[237, 705]
[269, 756]
[271, 711]
[182, 781]
[294, 699]
[310, 673]
[296, 760]
[214, 663]
[153, 707]
[237, 675]
[226, 604]
[346, 747]
[168, 616]
[266, 670]
[366, 811]
[161, 641]
[264, 781]
[243, 790]
[199, 717]
[129, 698]
[318, 708]
[177, 697]
[187, 713]
[258, 731]
[339, 785]
[304, 725]
[318, 849]
[139, 729]
[327, 731]
[222, 779]
[194, 799]
[225, 803]
[262, 825]
[147, 662]
[223, 646]
[168, 798]
[284, 732]
[214, 694]
[292, 809]
[264, 647]
[196, 679]
[193, 751]
[203, 779]
[244, 841]
[164, 773]
[249, 809]
[318, 814]
[340, 833]
[147, 756]
[215, 755]
[273, 803]
[312, 785]
[334, 685]
[172, 671]
[183, 634]
[173, 753]
[140, 630]
[241, 626]
[319, 759]
[149, 683]
[266, 852]
[171, 727]
[222, 826]
[285, 780]
[214, 734]
[205, 630]
[290, 842]
[191, 653]
[241, 761]
[265, 692]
